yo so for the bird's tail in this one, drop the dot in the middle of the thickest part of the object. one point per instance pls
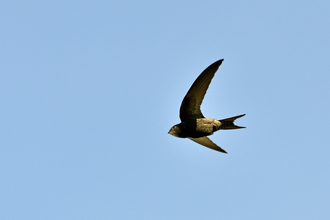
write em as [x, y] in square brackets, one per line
[228, 123]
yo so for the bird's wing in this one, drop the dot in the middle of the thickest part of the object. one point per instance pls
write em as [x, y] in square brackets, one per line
[190, 106]
[205, 141]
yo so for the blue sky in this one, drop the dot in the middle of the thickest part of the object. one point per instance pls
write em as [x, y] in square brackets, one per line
[89, 90]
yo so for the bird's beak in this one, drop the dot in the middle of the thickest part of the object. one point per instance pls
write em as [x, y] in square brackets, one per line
[173, 133]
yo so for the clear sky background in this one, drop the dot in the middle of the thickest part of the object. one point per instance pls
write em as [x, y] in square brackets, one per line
[89, 90]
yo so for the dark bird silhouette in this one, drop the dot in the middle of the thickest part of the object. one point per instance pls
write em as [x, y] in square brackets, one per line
[193, 124]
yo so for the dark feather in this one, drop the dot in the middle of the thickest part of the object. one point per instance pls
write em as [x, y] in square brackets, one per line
[190, 106]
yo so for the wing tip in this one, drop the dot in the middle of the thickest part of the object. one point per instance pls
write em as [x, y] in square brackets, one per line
[223, 151]
[218, 62]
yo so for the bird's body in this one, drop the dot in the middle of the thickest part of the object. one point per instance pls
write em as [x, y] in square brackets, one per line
[198, 127]
[193, 124]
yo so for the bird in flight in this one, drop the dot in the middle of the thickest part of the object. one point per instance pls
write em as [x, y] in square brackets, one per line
[193, 124]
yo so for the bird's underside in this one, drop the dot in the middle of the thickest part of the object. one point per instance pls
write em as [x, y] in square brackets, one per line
[207, 126]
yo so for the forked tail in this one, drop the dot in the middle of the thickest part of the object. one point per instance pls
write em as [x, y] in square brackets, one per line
[228, 123]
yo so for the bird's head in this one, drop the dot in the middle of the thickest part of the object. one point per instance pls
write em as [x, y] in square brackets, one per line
[175, 130]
